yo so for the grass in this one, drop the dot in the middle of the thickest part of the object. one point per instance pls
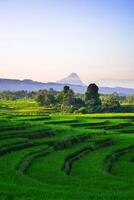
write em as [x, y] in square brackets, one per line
[50, 156]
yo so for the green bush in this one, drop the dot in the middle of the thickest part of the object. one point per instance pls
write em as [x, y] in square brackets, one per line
[81, 110]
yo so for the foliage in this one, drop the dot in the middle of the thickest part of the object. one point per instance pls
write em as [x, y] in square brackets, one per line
[130, 99]
[69, 102]
[67, 99]
[45, 97]
[8, 95]
[92, 99]
[110, 103]
[82, 110]
[40, 97]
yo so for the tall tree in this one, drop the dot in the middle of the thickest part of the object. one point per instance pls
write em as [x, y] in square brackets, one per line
[67, 96]
[40, 97]
[45, 98]
[92, 98]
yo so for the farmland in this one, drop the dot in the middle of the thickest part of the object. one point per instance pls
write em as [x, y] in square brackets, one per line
[45, 155]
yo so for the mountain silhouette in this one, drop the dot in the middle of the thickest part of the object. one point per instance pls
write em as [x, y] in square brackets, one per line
[72, 79]
[30, 85]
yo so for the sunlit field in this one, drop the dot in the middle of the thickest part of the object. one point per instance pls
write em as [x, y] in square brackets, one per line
[45, 155]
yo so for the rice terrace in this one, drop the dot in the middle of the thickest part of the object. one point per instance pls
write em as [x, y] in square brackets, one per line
[66, 99]
[46, 155]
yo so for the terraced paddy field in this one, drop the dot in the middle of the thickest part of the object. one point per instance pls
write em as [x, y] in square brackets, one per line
[49, 156]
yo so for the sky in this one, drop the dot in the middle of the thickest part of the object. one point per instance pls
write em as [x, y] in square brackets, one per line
[45, 40]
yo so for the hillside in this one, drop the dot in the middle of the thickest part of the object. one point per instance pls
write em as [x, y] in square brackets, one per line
[30, 85]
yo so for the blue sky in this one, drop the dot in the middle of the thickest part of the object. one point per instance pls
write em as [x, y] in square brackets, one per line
[47, 39]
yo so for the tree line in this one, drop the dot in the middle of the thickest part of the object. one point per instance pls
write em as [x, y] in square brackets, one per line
[90, 102]
[70, 102]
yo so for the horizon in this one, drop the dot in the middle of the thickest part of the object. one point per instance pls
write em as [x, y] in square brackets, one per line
[47, 40]
[113, 83]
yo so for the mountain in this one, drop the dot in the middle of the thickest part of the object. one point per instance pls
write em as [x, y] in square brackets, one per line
[26, 84]
[72, 79]
[30, 85]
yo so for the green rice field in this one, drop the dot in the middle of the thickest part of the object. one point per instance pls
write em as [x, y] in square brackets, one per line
[45, 155]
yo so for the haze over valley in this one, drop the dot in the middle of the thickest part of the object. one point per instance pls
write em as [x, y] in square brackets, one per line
[73, 80]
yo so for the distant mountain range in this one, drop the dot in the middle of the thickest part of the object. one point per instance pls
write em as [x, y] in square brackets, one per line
[72, 80]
